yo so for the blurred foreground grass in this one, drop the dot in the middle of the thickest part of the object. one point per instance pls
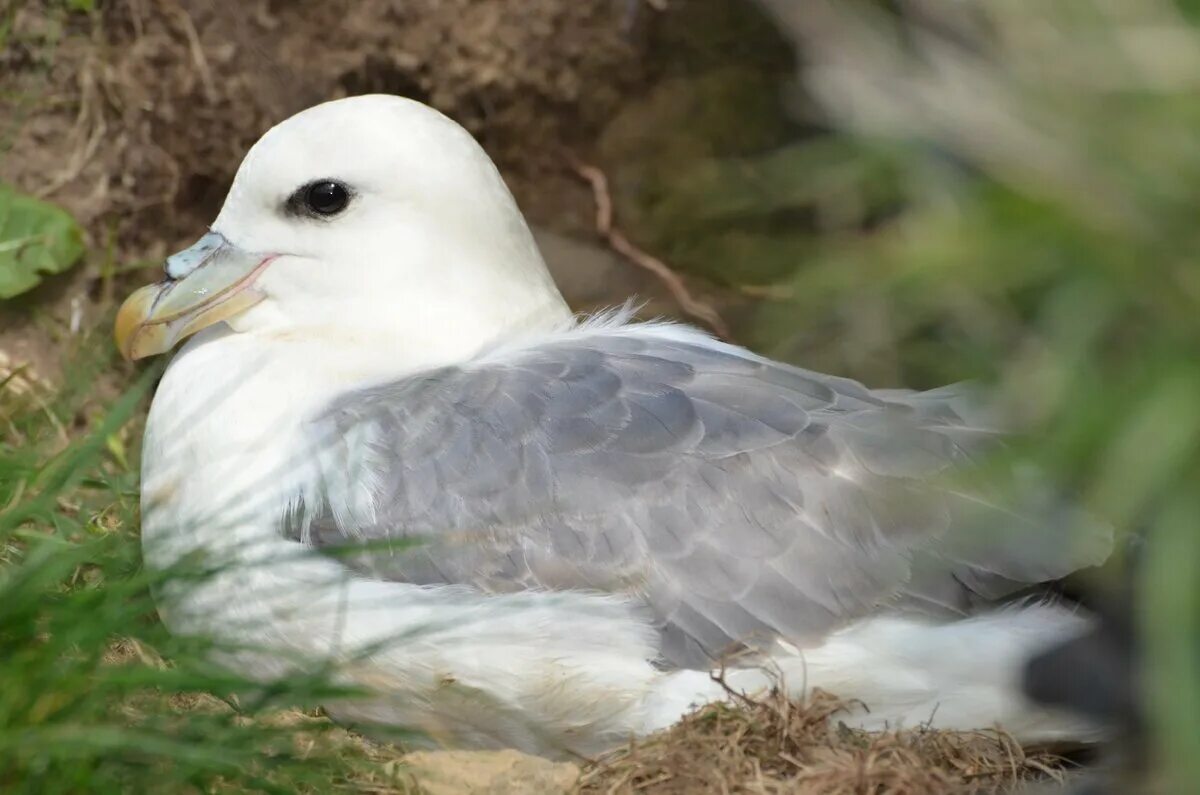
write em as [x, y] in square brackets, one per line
[1042, 236]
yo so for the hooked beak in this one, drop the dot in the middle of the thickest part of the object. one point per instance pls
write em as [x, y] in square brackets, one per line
[211, 281]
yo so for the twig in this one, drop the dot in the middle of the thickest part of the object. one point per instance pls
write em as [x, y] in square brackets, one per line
[196, 48]
[89, 139]
[616, 239]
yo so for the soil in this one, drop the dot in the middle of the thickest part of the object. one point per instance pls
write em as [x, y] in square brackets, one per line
[135, 116]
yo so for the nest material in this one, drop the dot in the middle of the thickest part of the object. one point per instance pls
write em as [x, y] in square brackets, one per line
[773, 745]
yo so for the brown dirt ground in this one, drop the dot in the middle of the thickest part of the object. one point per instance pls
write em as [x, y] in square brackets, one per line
[134, 117]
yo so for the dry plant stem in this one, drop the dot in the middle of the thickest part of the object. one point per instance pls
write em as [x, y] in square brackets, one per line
[197, 52]
[616, 239]
[773, 746]
[89, 140]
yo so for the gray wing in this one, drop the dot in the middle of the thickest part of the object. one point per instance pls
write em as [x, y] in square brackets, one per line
[736, 497]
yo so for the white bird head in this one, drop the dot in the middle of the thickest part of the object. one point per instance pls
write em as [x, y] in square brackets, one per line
[373, 218]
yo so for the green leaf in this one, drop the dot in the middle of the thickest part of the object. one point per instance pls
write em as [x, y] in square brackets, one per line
[35, 238]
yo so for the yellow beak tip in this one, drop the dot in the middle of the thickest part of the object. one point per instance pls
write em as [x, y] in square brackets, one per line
[131, 320]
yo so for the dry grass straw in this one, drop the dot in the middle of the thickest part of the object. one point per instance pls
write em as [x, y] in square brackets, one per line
[773, 745]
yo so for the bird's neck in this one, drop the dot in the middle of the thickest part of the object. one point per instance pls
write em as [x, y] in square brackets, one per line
[394, 332]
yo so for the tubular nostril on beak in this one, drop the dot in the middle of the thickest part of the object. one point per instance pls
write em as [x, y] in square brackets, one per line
[184, 262]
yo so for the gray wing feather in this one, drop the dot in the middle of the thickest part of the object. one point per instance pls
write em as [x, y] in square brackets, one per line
[736, 497]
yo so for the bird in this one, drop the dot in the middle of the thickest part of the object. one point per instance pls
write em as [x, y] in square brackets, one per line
[401, 458]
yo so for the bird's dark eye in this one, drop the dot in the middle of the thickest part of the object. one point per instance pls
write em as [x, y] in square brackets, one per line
[326, 197]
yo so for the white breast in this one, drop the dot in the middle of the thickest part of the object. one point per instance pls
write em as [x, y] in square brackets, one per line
[228, 449]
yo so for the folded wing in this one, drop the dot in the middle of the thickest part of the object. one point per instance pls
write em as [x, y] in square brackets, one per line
[737, 499]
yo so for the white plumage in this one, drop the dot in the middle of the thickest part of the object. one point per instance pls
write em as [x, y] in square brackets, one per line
[588, 514]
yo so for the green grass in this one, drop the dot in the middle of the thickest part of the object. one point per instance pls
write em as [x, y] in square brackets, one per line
[98, 697]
